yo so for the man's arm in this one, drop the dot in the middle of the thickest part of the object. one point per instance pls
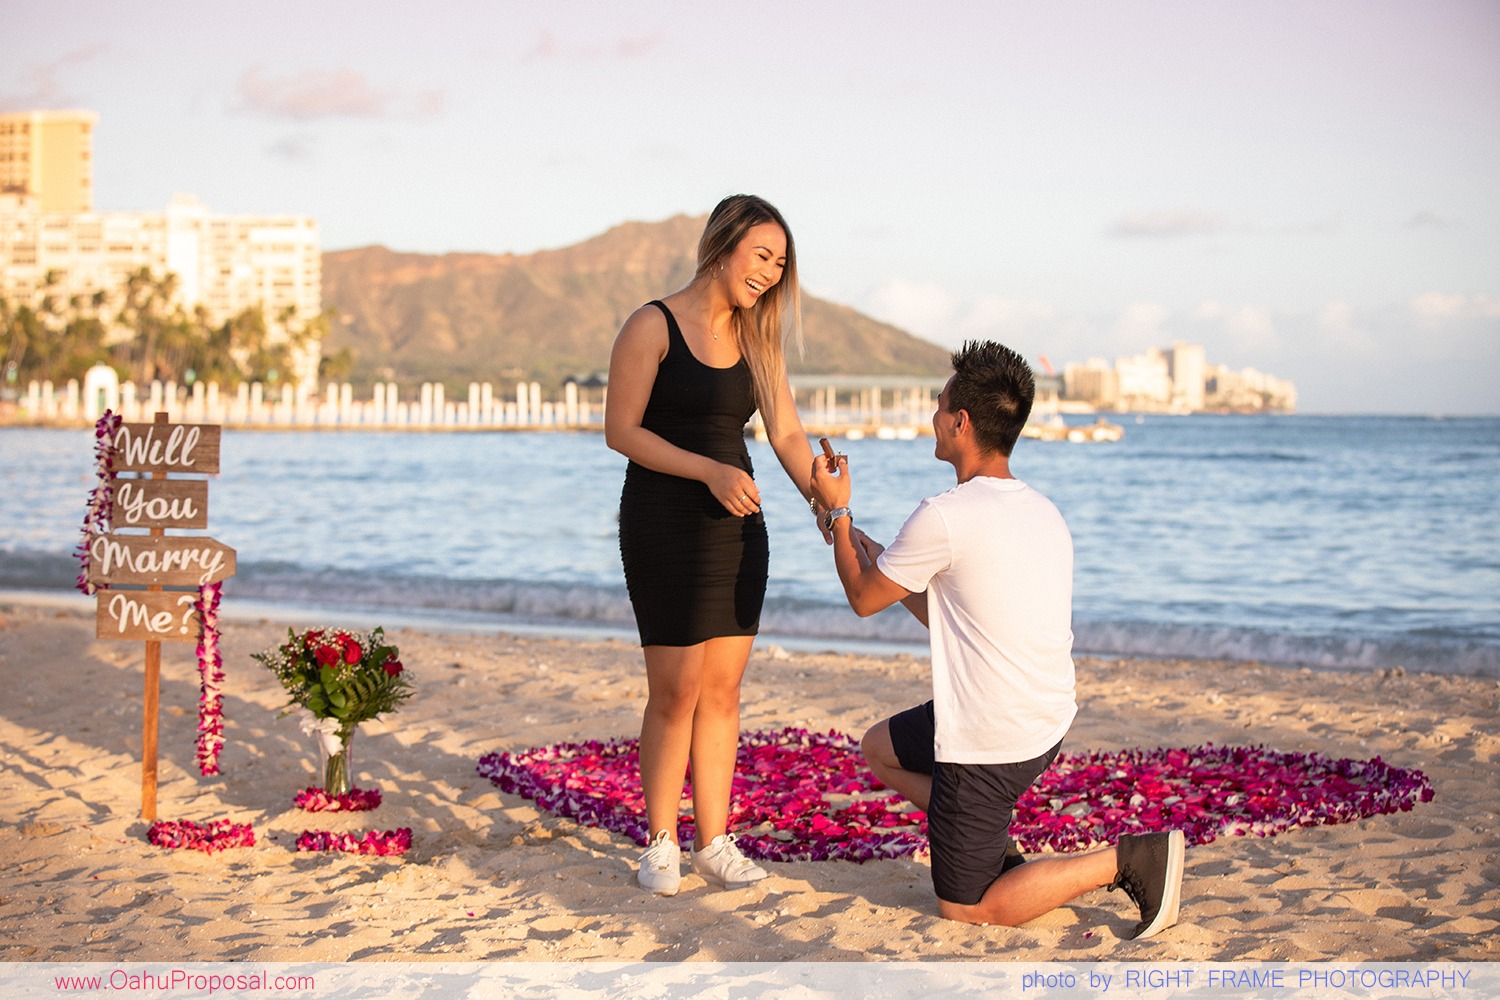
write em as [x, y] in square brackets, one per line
[867, 589]
[869, 550]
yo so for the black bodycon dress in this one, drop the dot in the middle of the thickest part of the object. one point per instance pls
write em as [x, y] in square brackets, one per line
[694, 570]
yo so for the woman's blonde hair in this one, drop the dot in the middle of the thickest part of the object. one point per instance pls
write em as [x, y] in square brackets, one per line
[762, 328]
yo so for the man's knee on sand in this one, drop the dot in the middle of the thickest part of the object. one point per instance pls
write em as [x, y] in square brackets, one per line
[972, 914]
[876, 747]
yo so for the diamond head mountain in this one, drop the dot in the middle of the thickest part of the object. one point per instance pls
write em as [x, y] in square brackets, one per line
[457, 318]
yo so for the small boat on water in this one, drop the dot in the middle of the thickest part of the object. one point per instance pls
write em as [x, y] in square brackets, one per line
[1054, 429]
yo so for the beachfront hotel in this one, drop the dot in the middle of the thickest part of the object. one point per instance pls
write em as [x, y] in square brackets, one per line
[1175, 379]
[52, 242]
[49, 154]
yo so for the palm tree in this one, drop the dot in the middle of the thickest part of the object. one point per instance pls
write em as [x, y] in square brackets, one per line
[150, 313]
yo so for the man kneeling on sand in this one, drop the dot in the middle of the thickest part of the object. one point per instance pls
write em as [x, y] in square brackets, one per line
[988, 568]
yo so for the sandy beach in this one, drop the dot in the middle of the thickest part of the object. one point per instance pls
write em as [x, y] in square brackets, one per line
[491, 877]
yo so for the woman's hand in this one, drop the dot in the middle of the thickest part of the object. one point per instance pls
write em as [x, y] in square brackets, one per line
[733, 487]
[867, 548]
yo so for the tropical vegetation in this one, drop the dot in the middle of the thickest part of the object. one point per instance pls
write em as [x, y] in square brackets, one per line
[144, 333]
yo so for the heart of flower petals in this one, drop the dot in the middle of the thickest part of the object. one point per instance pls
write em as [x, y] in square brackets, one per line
[804, 796]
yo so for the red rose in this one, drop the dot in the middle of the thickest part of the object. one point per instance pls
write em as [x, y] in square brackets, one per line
[327, 656]
[352, 652]
[393, 667]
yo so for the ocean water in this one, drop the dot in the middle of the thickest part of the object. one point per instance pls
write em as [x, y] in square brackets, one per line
[1355, 542]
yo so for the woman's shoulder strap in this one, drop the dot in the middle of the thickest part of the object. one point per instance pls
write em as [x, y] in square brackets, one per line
[674, 332]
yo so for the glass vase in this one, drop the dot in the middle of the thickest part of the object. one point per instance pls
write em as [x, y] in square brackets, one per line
[338, 768]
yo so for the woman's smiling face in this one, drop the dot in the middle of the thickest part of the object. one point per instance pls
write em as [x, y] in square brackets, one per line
[755, 265]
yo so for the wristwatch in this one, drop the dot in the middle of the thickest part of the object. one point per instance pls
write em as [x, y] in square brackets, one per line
[835, 514]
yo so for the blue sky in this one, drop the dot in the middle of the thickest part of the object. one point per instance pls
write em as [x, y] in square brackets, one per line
[1311, 189]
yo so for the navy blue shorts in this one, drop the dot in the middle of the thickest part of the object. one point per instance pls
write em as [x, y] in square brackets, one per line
[968, 817]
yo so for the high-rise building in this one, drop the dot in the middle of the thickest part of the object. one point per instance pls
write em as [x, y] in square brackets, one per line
[223, 263]
[1144, 383]
[1187, 365]
[1094, 382]
[49, 155]
[54, 246]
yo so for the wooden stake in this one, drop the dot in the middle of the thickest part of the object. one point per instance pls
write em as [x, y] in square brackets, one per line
[152, 702]
[148, 731]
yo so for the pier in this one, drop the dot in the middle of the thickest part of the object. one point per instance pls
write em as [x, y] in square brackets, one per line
[847, 406]
[832, 405]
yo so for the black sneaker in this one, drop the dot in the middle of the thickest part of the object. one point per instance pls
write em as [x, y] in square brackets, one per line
[1013, 857]
[1150, 872]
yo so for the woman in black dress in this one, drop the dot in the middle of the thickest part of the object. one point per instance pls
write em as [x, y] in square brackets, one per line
[685, 375]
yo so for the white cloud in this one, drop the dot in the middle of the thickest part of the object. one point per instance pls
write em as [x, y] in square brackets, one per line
[330, 93]
[1434, 308]
[926, 309]
[1251, 329]
[44, 88]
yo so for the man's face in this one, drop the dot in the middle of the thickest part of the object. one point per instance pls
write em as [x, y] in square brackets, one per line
[943, 422]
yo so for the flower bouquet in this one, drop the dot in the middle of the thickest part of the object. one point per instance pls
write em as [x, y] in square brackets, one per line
[341, 679]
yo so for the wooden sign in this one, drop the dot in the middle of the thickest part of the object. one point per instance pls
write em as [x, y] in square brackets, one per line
[153, 559]
[163, 448]
[153, 503]
[160, 503]
[148, 615]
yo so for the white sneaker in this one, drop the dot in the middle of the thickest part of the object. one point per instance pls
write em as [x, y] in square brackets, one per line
[661, 866]
[722, 862]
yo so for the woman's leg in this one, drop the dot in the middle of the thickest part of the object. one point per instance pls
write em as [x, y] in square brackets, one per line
[716, 733]
[673, 680]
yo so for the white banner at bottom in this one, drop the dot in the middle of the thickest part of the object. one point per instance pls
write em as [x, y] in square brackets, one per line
[772, 981]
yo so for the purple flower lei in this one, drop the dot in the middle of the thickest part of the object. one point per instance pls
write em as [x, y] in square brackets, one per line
[101, 497]
[809, 796]
[211, 680]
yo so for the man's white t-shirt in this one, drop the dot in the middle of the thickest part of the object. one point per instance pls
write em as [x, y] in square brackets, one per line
[996, 560]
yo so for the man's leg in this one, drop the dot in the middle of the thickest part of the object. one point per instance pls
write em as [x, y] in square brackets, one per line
[881, 755]
[1148, 867]
[1040, 886]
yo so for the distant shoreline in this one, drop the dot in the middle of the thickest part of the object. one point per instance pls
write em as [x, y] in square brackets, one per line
[10, 421]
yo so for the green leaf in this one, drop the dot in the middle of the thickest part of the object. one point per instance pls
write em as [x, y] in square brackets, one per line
[338, 699]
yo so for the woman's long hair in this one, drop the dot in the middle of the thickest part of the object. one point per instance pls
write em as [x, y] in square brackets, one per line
[760, 329]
